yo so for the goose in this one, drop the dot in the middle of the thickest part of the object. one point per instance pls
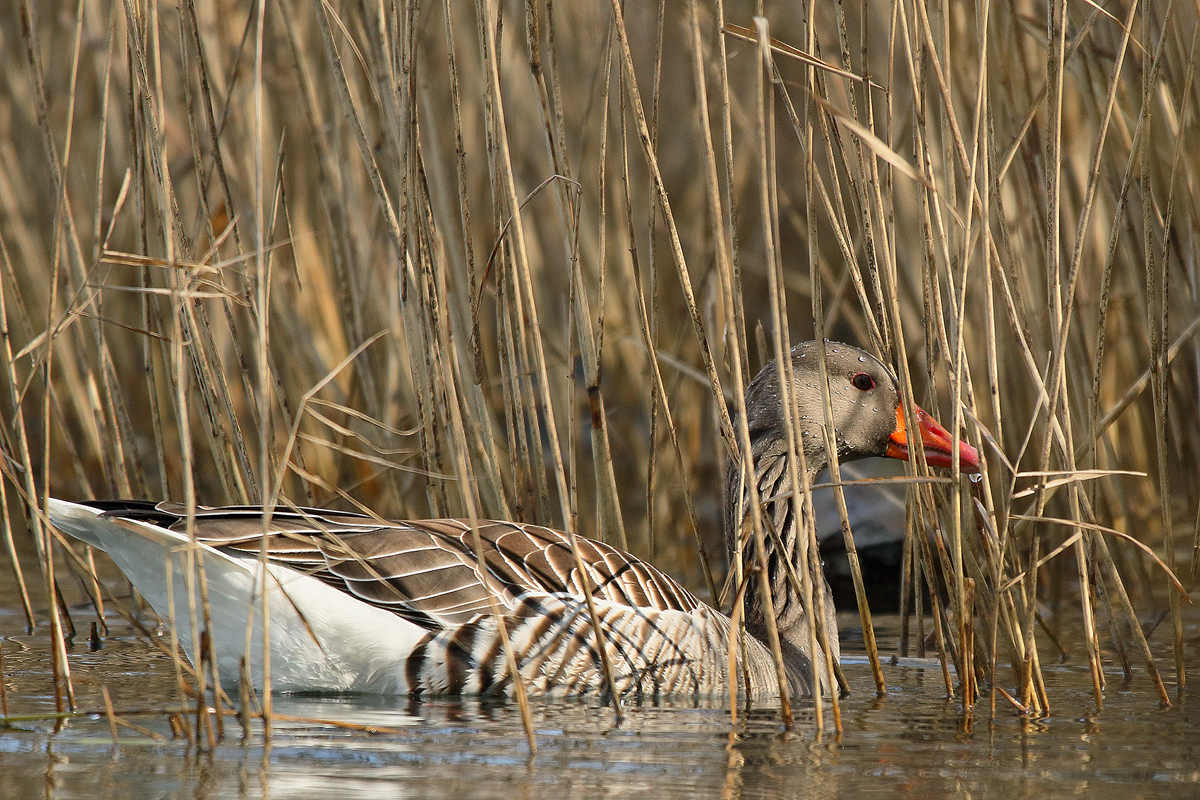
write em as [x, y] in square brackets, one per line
[358, 604]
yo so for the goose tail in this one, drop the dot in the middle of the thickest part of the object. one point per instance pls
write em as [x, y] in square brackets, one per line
[321, 638]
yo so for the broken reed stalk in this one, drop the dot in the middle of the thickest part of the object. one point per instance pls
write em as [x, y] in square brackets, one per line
[261, 287]
[721, 215]
[815, 87]
[768, 207]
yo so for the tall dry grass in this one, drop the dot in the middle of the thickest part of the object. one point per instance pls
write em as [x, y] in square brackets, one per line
[508, 260]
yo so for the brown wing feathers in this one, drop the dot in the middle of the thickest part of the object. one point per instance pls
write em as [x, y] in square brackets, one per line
[426, 571]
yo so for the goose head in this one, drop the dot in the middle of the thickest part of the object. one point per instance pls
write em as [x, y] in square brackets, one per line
[865, 409]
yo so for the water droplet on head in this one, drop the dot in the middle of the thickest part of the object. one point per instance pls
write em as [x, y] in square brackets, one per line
[976, 477]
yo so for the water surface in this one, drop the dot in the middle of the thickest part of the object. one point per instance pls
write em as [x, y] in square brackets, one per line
[911, 742]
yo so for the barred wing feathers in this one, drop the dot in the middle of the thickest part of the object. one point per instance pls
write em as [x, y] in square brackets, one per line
[427, 570]
[660, 638]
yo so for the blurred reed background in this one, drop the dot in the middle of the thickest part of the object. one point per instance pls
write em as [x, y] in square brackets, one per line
[496, 258]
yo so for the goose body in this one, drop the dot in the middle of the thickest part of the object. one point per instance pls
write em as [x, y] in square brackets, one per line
[360, 604]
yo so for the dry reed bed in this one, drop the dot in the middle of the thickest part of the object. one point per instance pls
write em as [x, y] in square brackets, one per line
[507, 260]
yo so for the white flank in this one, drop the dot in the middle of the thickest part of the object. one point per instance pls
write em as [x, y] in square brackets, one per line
[322, 639]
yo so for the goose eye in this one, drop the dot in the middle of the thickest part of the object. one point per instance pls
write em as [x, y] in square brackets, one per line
[863, 382]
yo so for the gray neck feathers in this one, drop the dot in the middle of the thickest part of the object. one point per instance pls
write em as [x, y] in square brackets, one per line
[781, 530]
[781, 542]
[863, 418]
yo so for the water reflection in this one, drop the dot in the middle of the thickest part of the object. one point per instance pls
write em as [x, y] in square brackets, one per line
[910, 741]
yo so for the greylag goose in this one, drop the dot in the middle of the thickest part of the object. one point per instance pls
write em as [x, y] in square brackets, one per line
[359, 604]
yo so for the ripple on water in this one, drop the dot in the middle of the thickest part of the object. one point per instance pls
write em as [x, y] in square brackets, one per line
[911, 741]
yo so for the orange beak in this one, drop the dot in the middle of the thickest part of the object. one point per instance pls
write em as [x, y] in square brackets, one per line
[939, 447]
